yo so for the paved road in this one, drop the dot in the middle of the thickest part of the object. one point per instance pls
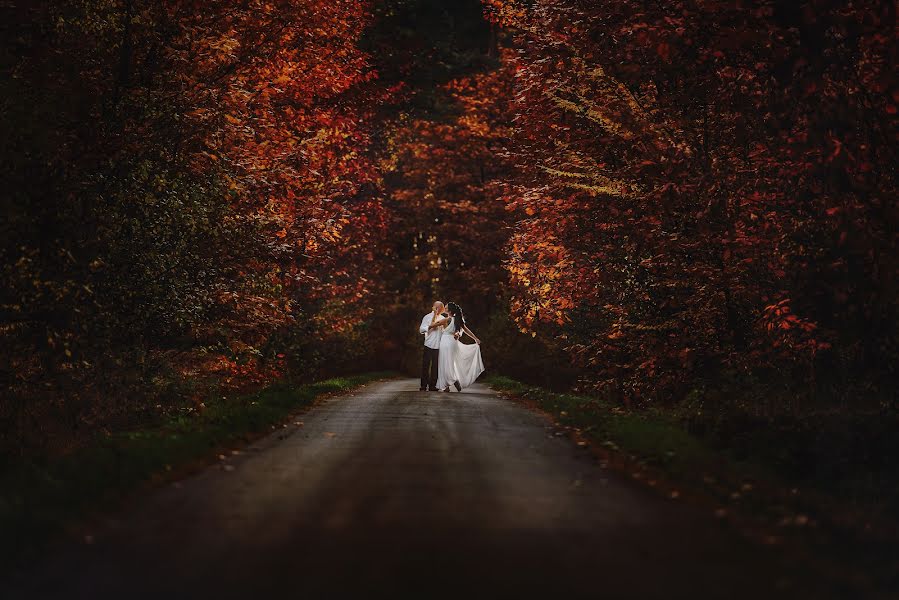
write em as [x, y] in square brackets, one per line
[394, 491]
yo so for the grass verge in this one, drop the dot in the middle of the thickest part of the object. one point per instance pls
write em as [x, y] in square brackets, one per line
[771, 480]
[644, 439]
[39, 500]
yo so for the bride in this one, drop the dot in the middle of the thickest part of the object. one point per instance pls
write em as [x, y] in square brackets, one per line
[458, 364]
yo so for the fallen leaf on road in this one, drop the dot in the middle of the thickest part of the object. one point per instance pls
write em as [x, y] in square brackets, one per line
[330, 434]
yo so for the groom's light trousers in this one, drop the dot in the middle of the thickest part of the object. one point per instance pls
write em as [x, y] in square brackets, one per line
[429, 368]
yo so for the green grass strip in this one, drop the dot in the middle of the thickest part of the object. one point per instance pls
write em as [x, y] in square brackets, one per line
[39, 499]
[650, 437]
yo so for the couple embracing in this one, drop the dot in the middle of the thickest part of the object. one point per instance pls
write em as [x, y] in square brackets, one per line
[447, 361]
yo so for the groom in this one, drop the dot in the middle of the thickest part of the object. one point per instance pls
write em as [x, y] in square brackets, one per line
[432, 348]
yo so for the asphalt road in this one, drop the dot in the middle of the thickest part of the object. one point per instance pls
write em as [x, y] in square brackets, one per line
[394, 492]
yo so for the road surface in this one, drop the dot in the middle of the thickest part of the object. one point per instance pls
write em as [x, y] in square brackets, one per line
[392, 491]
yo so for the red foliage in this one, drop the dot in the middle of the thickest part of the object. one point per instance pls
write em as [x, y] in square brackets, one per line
[446, 215]
[705, 185]
[283, 93]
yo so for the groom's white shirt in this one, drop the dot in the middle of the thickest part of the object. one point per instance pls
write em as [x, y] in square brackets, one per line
[432, 337]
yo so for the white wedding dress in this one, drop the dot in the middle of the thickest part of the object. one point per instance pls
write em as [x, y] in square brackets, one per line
[457, 362]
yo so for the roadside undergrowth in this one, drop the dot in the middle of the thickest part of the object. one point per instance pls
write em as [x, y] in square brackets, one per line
[40, 500]
[747, 491]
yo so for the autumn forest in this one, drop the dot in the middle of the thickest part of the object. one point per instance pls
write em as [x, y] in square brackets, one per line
[682, 208]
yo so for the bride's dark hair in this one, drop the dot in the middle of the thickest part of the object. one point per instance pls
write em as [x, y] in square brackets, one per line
[458, 318]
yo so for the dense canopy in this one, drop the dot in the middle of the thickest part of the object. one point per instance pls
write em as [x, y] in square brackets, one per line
[204, 196]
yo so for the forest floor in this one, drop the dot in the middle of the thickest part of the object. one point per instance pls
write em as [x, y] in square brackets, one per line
[388, 490]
